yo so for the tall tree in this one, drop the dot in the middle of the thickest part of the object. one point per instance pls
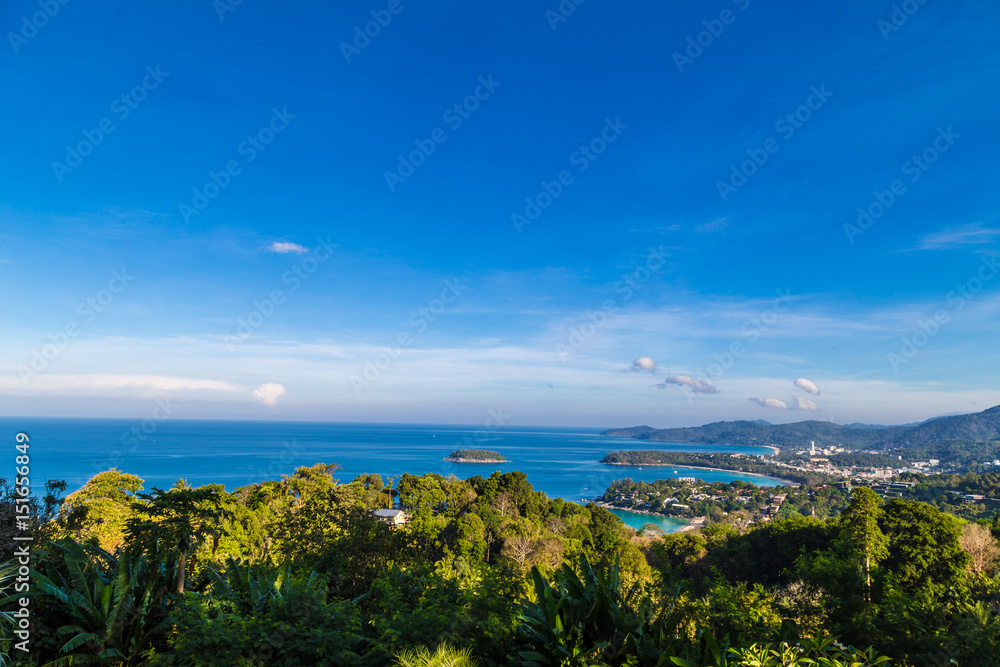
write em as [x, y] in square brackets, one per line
[924, 550]
[99, 511]
[861, 533]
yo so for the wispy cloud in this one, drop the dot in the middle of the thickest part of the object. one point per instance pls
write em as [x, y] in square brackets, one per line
[769, 403]
[286, 247]
[796, 403]
[714, 226]
[694, 384]
[962, 236]
[59, 382]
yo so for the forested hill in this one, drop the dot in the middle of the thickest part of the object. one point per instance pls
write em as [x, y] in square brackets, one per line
[975, 427]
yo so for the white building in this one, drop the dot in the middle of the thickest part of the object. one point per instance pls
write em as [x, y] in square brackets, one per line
[392, 517]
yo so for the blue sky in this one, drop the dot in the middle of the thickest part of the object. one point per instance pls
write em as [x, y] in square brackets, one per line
[650, 246]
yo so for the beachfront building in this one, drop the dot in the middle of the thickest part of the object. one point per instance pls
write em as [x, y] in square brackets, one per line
[392, 517]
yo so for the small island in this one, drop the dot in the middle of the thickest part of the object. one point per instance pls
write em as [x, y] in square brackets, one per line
[475, 456]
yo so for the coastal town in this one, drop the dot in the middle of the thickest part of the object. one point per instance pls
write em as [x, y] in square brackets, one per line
[817, 482]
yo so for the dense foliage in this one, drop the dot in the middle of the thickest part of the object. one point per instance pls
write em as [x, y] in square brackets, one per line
[949, 493]
[489, 571]
[735, 502]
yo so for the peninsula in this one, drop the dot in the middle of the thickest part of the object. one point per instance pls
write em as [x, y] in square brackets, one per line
[735, 462]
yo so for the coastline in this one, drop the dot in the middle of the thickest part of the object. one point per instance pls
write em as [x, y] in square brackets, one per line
[784, 482]
[690, 522]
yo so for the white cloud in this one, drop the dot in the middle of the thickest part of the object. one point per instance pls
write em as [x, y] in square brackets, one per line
[806, 385]
[693, 384]
[644, 364]
[803, 404]
[796, 403]
[959, 237]
[770, 403]
[268, 393]
[286, 246]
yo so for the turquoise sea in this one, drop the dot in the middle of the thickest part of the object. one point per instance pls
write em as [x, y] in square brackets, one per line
[562, 462]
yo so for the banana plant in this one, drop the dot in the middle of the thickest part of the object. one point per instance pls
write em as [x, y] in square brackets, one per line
[114, 605]
[585, 619]
[251, 589]
[8, 572]
[818, 652]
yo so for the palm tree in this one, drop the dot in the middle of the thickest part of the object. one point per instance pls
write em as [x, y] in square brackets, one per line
[175, 523]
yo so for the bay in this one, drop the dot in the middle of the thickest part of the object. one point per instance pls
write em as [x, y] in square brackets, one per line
[564, 462]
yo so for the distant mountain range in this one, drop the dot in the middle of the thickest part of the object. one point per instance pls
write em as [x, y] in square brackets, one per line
[976, 427]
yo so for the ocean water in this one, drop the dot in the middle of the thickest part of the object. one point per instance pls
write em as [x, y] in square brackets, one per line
[562, 462]
[668, 524]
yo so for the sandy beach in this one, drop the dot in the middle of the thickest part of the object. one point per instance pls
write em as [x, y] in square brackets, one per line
[607, 505]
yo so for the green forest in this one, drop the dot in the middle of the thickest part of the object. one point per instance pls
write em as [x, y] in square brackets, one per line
[475, 455]
[738, 500]
[739, 462]
[485, 571]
